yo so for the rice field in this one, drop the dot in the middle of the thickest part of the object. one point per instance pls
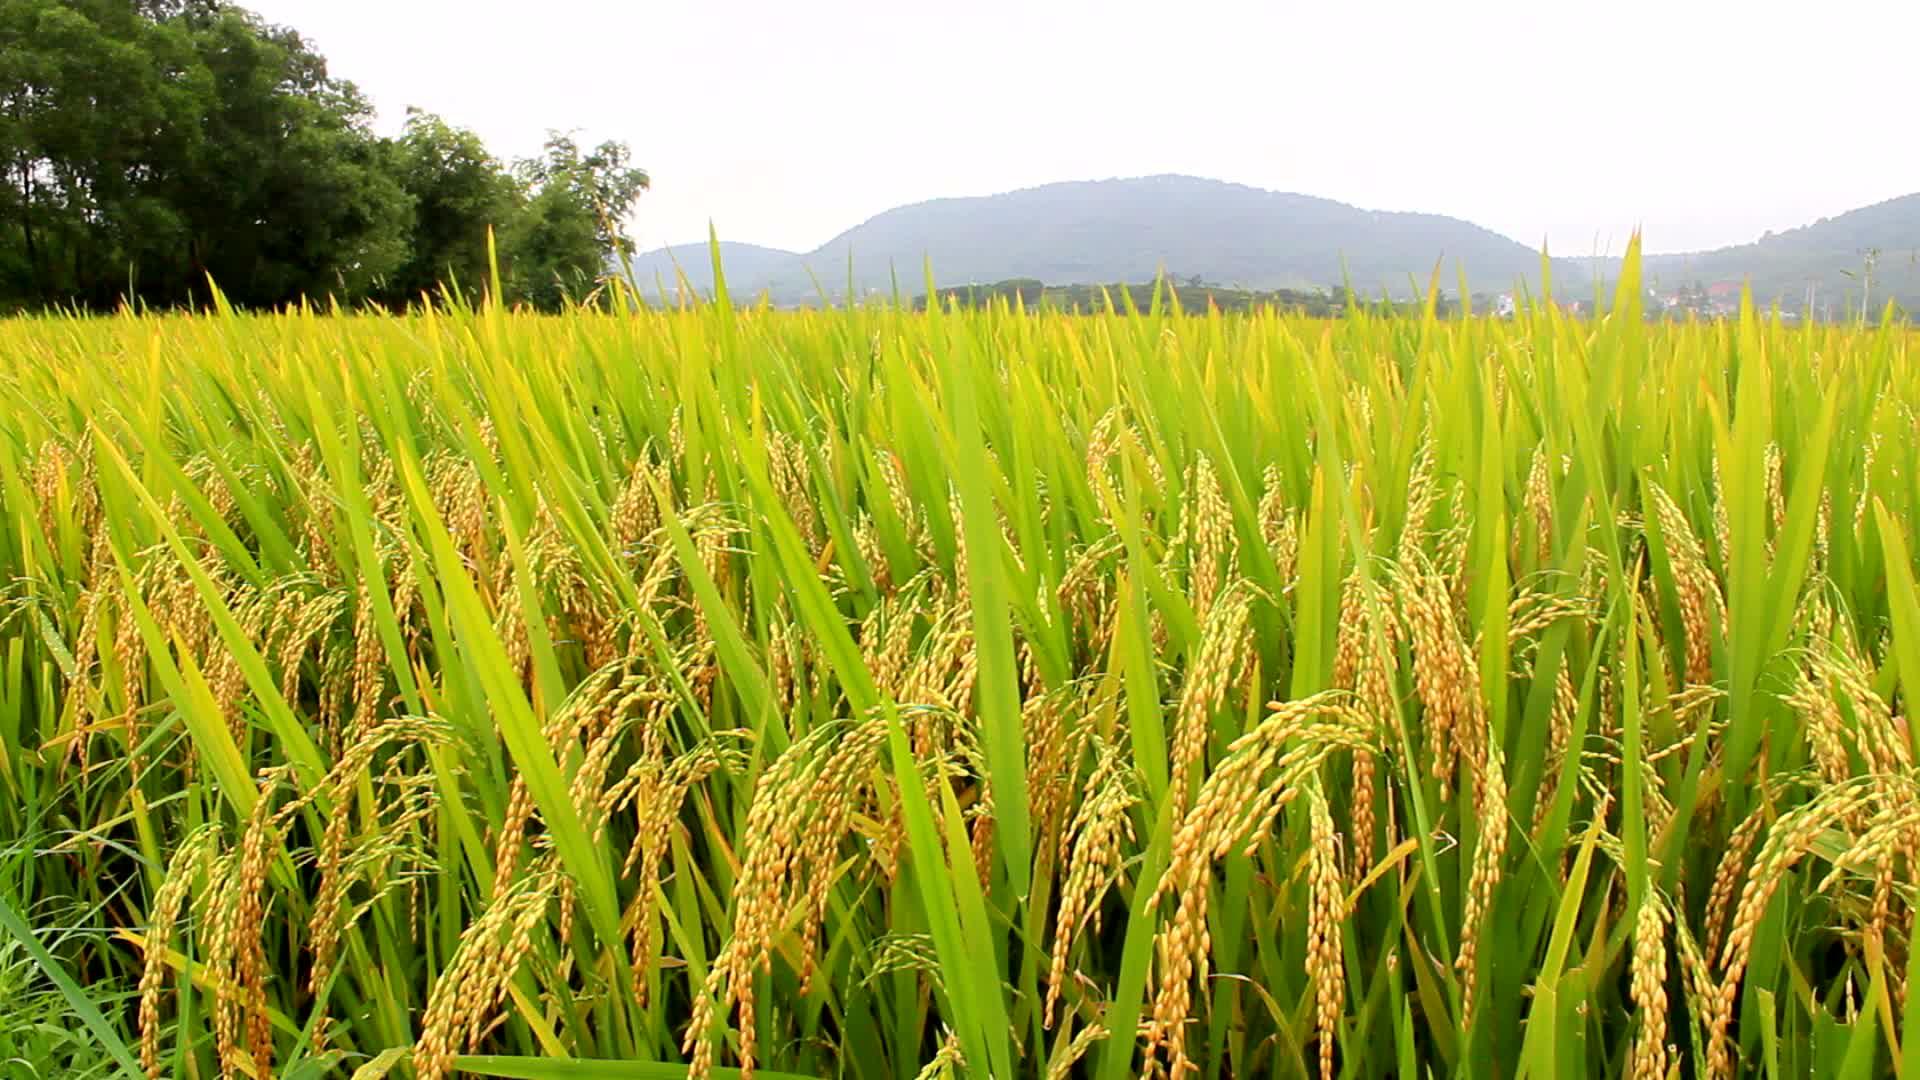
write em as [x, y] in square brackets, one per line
[879, 693]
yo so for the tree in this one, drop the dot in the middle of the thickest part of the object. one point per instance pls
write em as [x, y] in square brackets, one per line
[559, 244]
[458, 190]
[287, 193]
[90, 93]
[149, 143]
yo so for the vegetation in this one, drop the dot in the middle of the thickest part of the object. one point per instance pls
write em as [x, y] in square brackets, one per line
[1086, 232]
[1245, 241]
[149, 144]
[1834, 268]
[1192, 294]
[888, 693]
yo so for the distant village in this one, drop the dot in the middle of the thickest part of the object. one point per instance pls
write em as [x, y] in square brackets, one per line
[1720, 299]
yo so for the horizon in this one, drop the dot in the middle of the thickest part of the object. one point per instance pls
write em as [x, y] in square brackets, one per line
[785, 127]
[1647, 247]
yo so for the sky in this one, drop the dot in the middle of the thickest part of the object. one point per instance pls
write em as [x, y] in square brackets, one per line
[1705, 122]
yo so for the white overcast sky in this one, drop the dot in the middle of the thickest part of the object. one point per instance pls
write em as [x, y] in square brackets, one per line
[1705, 121]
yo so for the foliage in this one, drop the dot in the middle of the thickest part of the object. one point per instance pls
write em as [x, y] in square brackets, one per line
[149, 146]
[458, 190]
[41, 1032]
[149, 153]
[991, 692]
[559, 246]
[1192, 294]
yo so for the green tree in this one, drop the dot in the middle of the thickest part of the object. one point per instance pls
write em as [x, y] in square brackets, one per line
[149, 143]
[91, 93]
[458, 190]
[559, 245]
[287, 193]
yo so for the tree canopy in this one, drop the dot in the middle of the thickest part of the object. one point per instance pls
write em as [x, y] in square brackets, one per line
[147, 146]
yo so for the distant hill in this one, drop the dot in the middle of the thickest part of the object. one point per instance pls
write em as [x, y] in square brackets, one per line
[1826, 260]
[1127, 230]
[1239, 237]
[743, 264]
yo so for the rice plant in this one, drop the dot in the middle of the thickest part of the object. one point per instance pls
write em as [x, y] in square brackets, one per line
[881, 693]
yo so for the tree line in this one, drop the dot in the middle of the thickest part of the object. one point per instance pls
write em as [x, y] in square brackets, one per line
[1192, 293]
[149, 146]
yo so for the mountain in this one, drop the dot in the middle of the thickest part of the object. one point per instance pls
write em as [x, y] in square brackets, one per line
[1110, 231]
[1127, 230]
[743, 264]
[1826, 261]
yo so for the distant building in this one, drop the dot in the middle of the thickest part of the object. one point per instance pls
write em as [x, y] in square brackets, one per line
[1723, 297]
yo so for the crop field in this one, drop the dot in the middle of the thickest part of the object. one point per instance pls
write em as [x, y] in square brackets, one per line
[987, 693]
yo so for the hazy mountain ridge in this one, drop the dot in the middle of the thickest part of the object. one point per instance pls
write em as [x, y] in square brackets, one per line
[1826, 260]
[1126, 230]
[742, 263]
[1078, 232]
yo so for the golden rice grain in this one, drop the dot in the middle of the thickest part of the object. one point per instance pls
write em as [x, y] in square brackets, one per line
[188, 863]
[1649, 990]
[1262, 772]
[1210, 524]
[1224, 645]
[1786, 844]
[1701, 609]
[1277, 526]
[1327, 913]
[1102, 823]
